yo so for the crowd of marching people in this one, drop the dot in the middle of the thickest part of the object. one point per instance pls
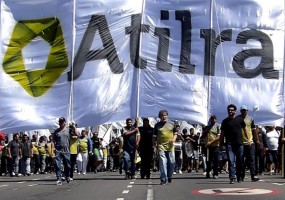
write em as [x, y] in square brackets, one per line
[212, 149]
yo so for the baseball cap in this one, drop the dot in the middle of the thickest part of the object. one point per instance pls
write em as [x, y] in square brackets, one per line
[62, 119]
[243, 107]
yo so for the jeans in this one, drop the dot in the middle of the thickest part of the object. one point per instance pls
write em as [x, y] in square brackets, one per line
[129, 156]
[26, 165]
[14, 166]
[59, 158]
[43, 163]
[235, 157]
[166, 164]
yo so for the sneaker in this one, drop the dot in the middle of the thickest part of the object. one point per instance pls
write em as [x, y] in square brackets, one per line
[240, 179]
[169, 180]
[71, 179]
[216, 177]
[63, 178]
[174, 173]
[163, 183]
[13, 174]
[126, 177]
[254, 179]
[180, 172]
[68, 180]
[78, 173]
[232, 181]
[207, 175]
[84, 173]
[58, 183]
[197, 170]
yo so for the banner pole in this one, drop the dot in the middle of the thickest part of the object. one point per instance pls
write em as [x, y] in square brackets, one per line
[70, 109]
[283, 154]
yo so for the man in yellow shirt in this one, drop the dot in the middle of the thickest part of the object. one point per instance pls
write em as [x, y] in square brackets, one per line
[164, 136]
[212, 134]
[85, 147]
[249, 148]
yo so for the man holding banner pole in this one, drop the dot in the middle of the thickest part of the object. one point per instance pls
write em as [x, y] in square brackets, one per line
[212, 134]
[131, 137]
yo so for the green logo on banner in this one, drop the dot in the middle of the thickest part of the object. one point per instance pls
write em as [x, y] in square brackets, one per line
[36, 82]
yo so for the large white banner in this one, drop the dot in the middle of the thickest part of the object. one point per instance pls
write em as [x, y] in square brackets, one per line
[104, 61]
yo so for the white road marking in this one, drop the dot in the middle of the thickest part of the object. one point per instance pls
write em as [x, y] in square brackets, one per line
[4, 185]
[120, 199]
[278, 183]
[35, 179]
[132, 182]
[149, 194]
[129, 186]
[15, 188]
[32, 185]
[22, 182]
[125, 191]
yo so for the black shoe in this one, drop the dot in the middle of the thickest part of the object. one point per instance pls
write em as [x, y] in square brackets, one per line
[148, 176]
[169, 180]
[68, 180]
[208, 175]
[163, 183]
[232, 181]
[240, 180]
[254, 179]
[120, 170]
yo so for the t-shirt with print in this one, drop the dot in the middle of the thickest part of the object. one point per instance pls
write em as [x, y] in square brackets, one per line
[213, 133]
[249, 125]
[164, 132]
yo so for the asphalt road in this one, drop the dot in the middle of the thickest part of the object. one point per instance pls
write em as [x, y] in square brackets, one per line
[112, 186]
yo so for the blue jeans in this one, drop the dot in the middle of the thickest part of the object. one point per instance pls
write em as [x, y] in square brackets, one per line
[235, 157]
[65, 158]
[14, 164]
[166, 164]
[129, 157]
